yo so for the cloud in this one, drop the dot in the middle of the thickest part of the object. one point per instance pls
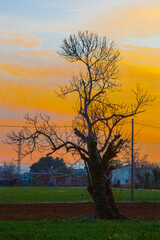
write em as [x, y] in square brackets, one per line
[42, 26]
[34, 84]
[24, 30]
[35, 70]
[30, 78]
[42, 63]
[134, 20]
[18, 39]
[26, 71]
[29, 85]
[39, 53]
[21, 41]
[35, 97]
[142, 49]
[38, 63]
[145, 56]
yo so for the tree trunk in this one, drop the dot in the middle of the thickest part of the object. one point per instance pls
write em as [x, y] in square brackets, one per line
[100, 190]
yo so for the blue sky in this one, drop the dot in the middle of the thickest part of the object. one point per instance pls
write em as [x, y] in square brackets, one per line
[52, 20]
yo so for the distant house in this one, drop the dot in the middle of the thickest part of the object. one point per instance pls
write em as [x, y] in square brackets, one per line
[121, 177]
[79, 181]
[61, 180]
[80, 171]
[50, 179]
[25, 179]
[58, 179]
[80, 177]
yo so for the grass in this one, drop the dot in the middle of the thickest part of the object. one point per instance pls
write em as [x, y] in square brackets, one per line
[70, 194]
[79, 230]
[74, 229]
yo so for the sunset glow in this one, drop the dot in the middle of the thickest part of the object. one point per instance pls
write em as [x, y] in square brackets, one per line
[31, 69]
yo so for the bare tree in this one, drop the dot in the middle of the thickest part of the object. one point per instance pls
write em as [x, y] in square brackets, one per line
[10, 173]
[95, 137]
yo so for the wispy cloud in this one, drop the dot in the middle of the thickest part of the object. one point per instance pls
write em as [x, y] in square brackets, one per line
[134, 20]
[48, 53]
[10, 38]
[38, 68]
[24, 30]
[142, 49]
[20, 40]
[35, 81]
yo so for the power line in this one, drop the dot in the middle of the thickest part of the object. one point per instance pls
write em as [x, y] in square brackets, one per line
[70, 126]
[56, 126]
[147, 125]
[28, 126]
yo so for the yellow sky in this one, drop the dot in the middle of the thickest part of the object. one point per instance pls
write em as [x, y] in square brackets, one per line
[31, 70]
[35, 83]
[132, 20]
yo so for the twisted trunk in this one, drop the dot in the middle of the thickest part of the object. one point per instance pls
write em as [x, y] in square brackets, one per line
[101, 192]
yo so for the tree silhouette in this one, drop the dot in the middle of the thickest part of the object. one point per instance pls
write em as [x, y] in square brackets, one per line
[95, 137]
[49, 164]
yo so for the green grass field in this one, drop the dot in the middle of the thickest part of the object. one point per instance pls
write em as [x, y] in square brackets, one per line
[69, 194]
[74, 229]
[79, 230]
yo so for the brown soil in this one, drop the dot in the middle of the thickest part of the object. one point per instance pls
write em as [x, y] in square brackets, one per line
[37, 211]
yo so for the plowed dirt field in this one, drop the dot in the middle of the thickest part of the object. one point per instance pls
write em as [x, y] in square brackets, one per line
[48, 211]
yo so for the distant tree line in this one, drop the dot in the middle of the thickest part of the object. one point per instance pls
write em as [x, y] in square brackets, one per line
[49, 164]
[147, 176]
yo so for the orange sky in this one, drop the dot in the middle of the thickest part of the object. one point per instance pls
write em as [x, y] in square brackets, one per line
[31, 70]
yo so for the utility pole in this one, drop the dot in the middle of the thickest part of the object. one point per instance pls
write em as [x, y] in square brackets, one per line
[19, 156]
[4, 172]
[132, 163]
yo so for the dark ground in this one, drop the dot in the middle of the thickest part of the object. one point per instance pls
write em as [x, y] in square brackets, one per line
[38, 211]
